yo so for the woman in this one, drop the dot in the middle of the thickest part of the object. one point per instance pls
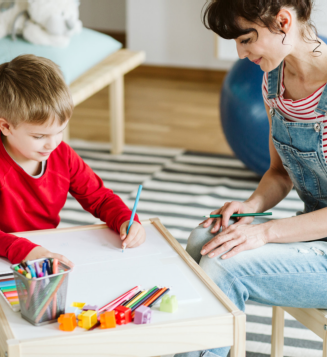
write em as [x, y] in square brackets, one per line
[280, 262]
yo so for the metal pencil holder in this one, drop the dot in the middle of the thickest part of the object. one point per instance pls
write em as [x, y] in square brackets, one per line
[42, 300]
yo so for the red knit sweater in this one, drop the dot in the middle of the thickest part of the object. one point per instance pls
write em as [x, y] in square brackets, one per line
[29, 204]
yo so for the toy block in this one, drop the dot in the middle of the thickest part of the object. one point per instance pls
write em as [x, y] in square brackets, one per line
[73, 310]
[123, 315]
[90, 307]
[143, 315]
[67, 322]
[87, 319]
[108, 320]
[169, 303]
[79, 305]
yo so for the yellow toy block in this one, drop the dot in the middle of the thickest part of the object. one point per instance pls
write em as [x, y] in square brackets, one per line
[79, 305]
[87, 319]
[108, 319]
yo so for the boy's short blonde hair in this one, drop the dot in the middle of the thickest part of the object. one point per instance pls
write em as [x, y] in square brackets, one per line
[33, 90]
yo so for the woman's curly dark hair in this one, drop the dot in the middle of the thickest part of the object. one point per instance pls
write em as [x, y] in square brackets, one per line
[221, 16]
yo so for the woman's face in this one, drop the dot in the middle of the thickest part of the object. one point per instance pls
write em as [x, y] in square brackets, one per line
[266, 50]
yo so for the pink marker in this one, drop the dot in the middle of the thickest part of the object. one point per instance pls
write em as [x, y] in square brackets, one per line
[127, 295]
[30, 292]
[54, 304]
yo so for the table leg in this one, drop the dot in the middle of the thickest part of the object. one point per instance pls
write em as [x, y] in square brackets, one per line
[238, 350]
[324, 348]
[277, 332]
[116, 97]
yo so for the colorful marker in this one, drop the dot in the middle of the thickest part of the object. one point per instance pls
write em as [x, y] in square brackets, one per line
[44, 268]
[133, 213]
[54, 304]
[31, 270]
[37, 269]
[241, 215]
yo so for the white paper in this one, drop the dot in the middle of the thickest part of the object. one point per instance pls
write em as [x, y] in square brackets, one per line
[100, 245]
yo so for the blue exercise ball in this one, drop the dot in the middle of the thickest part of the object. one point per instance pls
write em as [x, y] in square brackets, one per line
[243, 115]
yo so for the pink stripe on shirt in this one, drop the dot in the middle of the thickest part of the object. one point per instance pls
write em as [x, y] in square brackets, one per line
[296, 110]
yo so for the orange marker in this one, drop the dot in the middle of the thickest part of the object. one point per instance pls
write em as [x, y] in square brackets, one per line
[154, 297]
[12, 299]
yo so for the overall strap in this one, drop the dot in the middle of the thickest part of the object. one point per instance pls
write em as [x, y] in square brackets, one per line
[274, 78]
[322, 105]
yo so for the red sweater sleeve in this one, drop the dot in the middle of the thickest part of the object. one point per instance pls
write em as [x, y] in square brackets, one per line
[14, 248]
[90, 192]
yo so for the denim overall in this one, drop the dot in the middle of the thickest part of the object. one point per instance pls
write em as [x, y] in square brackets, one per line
[300, 148]
[292, 274]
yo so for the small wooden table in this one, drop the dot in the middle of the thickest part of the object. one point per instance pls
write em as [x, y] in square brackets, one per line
[211, 321]
[111, 72]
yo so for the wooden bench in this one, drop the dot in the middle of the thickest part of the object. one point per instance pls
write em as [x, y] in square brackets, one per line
[111, 72]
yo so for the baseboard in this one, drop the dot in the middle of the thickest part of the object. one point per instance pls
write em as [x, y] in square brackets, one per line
[179, 73]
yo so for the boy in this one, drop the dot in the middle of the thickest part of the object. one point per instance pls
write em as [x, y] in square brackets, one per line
[37, 169]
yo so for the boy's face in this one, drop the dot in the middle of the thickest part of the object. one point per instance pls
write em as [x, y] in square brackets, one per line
[33, 141]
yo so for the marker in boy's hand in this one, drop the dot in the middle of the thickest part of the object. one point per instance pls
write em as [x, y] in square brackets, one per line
[40, 252]
[135, 237]
[132, 235]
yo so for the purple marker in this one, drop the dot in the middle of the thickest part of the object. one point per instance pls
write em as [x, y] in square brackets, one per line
[37, 269]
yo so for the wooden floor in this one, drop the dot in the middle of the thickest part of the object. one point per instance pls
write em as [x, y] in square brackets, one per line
[171, 108]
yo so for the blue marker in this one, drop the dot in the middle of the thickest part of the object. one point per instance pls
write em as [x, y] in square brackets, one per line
[31, 270]
[44, 268]
[133, 212]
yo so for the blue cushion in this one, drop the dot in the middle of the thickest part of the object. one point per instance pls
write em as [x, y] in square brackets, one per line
[84, 51]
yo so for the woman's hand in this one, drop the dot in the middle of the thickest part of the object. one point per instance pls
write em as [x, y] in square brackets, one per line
[237, 238]
[40, 252]
[135, 237]
[227, 210]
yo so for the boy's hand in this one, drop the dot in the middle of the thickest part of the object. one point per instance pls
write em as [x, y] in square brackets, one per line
[136, 235]
[40, 252]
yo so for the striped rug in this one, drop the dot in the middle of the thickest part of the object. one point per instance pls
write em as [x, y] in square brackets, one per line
[180, 187]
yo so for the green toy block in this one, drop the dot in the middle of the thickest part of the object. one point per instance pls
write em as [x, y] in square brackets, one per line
[169, 303]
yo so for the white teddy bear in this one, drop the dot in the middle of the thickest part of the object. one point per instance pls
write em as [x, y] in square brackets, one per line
[52, 22]
[42, 22]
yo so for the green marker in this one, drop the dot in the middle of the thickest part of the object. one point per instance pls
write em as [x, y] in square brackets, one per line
[143, 297]
[47, 293]
[241, 215]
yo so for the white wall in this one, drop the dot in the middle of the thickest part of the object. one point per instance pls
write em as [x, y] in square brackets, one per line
[319, 16]
[170, 31]
[108, 15]
[172, 34]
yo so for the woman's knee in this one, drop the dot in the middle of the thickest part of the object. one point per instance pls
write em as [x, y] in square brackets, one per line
[198, 237]
[225, 274]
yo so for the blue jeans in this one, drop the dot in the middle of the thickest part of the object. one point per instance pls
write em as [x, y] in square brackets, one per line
[290, 274]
